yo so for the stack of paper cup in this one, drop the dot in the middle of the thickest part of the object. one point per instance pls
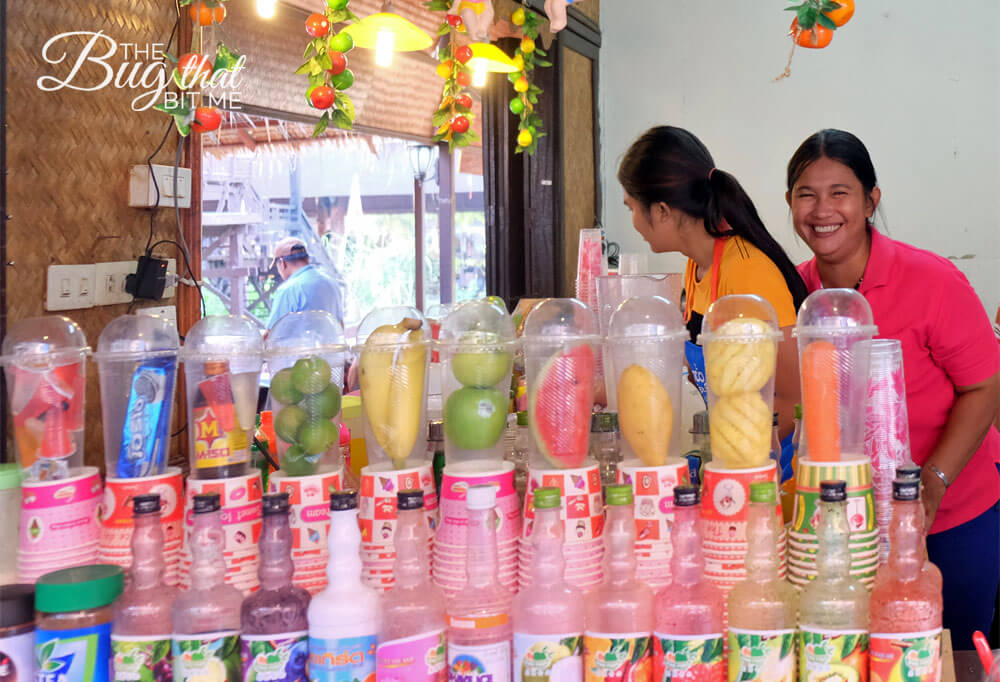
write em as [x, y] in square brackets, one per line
[583, 512]
[450, 542]
[241, 523]
[309, 497]
[116, 519]
[377, 516]
[58, 527]
[653, 493]
[864, 539]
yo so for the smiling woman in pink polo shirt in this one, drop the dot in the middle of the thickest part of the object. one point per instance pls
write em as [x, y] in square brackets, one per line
[950, 359]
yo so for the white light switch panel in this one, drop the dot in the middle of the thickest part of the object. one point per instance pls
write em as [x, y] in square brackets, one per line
[70, 287]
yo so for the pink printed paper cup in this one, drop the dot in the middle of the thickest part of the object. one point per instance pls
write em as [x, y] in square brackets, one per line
[59, 517]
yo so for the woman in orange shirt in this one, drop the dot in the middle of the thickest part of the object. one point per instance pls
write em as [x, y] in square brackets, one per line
[680, 202]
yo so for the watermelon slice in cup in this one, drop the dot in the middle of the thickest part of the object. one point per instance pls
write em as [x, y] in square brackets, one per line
[559, 406]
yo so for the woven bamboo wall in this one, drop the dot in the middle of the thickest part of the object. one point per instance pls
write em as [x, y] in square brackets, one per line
[579, 191]
[69, 154]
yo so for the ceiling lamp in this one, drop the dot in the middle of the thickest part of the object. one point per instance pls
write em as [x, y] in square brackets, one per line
[387, 32]
[487, 58]
[265, 8]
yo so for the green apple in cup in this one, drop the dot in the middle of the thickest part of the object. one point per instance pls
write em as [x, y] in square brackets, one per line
[474, 418]
[480, 368]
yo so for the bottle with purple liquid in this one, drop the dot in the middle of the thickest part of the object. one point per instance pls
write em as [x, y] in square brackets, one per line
[275, 630]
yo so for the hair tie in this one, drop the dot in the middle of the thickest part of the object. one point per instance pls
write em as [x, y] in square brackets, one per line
[710, 173]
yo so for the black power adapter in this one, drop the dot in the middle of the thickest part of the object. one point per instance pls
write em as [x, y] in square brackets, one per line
[149, 280]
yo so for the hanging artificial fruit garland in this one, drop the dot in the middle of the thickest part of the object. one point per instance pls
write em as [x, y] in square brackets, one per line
[527, 56]
[453, 118]
[326, 66]
[196, 70]
[814, 24]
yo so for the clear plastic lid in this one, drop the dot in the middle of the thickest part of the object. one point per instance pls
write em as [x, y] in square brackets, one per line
[381, 319]
[739, 318]
[42, 342]
[556, 321]
[835, 312]
[222, 337]
[310, 332]
[479, 324]
[646, 317]
[133, 337]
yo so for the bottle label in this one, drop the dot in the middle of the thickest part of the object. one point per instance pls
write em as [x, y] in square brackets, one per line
[342, 659]
[479, 663]
[141, 659]
[213, 446]
[77, 655]
[694, 658]
[211, 656]
[17, 657]
[280, 657]
[545, 658]
[420, 658]
[761, 655]
[617, 657]
[908, 656]
[832, 654]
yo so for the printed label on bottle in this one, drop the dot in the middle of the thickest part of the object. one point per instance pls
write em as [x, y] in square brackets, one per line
[761, 655]
[691, 658]
[833, 654]
[906, 656]
[77, 655]
[213, 446]
[420, 658]
[145, 659]
[617, 657]
[17, 657]
[212, 656]
[548, 658]
[342, 659]
[275, 657]
[479, 663]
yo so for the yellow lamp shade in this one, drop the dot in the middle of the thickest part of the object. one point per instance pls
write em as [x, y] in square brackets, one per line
[407, 36]
[496, 60]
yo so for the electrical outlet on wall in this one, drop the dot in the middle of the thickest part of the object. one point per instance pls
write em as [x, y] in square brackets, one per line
[110, 281]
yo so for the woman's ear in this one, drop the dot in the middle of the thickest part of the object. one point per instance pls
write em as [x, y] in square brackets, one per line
[788, 198]
[659, 213]
[872, 202]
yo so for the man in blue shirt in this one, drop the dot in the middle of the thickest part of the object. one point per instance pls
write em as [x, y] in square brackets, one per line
[305, 286]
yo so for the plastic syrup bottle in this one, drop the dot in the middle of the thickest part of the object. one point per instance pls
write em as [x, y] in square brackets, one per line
[411, 638]
[343, 618]
[275, 637]
[619, 621]
[833, 608]
[549, 613]
[479, 623]
[906, 603]
[688, 634]
[141, 632]
[206, 618]
[763, 607]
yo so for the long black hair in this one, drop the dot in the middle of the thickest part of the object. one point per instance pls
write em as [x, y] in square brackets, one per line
[671, 165]
[838, 145]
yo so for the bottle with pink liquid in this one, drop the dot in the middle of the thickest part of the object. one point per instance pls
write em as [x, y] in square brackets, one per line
[549, 613]
[411, 638]
[275, 631]
[688, 632]
[479, 623]
[140, 636]
[206, 618]
[619, 619]
[906, 604]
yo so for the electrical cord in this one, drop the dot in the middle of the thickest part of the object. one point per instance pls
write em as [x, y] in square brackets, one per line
[166, 134]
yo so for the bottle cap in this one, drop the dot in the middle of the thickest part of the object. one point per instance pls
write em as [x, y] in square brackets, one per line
[686, 496]
[548, 497]
[145, 504]
[798, 411]
[763, 491]
[522, 418]
[80, 588]
[832, 491]
[435, 430]
[618, 495]
[905, 490]
[17, 604]
[343, 500]
[205, 503]
[604, 422]
[275, 503]
[410, 499]
[700, 423]
[480, 497]
[910, 472]
[774, 419]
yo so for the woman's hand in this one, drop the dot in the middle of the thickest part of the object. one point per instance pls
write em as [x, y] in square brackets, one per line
[787, 389]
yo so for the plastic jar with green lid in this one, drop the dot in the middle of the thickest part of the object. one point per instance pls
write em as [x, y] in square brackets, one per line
[73, 623]
[10, 515]
[17, 632]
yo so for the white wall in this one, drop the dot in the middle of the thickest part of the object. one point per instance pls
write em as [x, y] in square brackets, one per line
[917, 81]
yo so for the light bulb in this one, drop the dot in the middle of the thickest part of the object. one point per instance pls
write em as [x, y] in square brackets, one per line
[265, 8]
[384, 42]
[480, 68]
